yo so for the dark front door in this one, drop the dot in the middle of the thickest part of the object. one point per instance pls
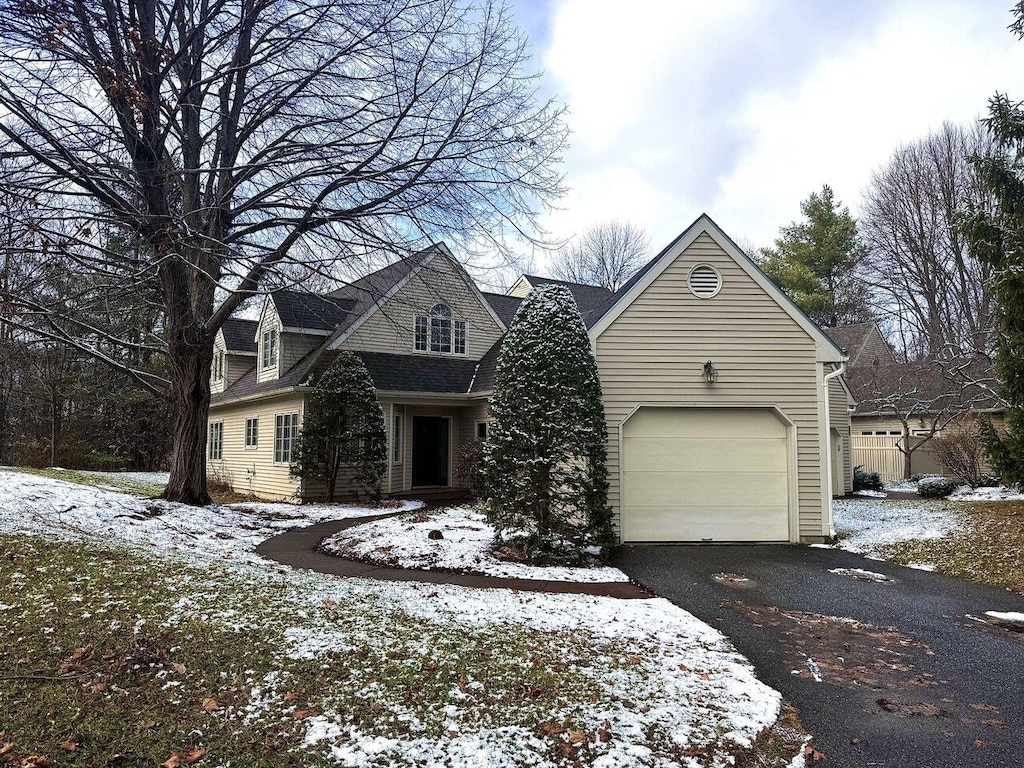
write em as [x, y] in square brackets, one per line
[429, 450]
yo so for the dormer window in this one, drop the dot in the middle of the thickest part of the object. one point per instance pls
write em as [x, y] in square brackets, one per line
[439, 332]
[268, 347]
[218, 366]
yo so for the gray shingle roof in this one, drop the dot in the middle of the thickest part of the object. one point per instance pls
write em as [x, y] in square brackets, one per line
[307, 310]
[588, 297]
[504, 306]
[239, 335]
[390, 373]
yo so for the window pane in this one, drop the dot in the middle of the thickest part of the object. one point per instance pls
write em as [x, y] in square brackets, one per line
[421, 333]
[460, 337]
[396, 440]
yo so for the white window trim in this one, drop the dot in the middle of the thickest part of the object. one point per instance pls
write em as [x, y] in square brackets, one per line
[295, 429]
[398, 443]
[210, 443]
[256, 445]
[428, 317]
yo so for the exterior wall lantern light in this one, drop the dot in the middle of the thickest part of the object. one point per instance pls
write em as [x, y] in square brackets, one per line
[710, 373]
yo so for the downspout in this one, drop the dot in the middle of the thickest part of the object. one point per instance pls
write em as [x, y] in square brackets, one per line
[828, 442]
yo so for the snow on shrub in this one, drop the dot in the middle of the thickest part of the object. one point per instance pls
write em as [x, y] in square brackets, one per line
[935, 487]
[545, 457]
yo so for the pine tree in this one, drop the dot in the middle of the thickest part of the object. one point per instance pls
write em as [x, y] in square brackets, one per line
[997, 238]
[343, 428]
[815, 262]
[546, 458]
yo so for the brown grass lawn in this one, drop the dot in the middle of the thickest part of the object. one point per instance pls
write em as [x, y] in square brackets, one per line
[989, 551]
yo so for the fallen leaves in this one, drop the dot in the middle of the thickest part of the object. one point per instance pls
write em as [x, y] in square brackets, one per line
[177, 759]
[210, 704]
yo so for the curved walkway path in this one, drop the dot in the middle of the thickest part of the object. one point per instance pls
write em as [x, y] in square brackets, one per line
[298, 548]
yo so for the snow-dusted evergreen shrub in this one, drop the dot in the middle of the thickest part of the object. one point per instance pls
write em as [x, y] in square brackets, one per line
[935, 487]
[343, 431]
[545, 459]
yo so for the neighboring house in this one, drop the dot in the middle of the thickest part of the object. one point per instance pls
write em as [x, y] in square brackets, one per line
[750, 456]
[900, 404]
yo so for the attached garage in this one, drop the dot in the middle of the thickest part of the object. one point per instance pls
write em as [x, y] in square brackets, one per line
[706, 474]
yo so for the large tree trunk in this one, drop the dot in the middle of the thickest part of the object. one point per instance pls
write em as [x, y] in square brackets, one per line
[190, 401]
[189, 357]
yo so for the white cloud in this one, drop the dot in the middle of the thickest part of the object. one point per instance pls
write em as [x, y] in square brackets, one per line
[742, 109]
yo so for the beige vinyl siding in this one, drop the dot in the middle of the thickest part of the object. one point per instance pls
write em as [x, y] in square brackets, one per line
[839, 419]
[292, 347]
[236, 366]
[253, 470]
[477, 411]
[653, 353]
[390, 328]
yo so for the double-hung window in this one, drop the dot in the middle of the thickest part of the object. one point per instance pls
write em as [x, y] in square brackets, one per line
[286, 430]
[252, 432]
[268, 346]
[438, 331]
[215, 443]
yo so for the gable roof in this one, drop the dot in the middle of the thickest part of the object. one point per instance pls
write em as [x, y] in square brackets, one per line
[308, 311]
[603, 316]
[863, 342]
[239, 336]
[588, 297]
[374, 290]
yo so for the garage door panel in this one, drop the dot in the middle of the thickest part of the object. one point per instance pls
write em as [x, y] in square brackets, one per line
[727, 489]
[703, 453]
[701, 524]
[705, 474]
[701, 422]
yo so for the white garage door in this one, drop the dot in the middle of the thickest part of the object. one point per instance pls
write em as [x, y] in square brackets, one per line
[705, 474]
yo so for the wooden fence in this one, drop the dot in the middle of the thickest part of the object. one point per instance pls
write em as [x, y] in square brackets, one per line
[881, 454]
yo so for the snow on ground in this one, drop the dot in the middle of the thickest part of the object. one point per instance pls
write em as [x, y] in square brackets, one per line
[1000, 493]
[866, 526]
[139, 479]
[403, 542]
[35, 504]
[675, 675]
[859, 573]
[1016, 619]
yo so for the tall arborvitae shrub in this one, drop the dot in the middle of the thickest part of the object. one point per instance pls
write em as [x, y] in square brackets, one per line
[343, 432]
[546, 453]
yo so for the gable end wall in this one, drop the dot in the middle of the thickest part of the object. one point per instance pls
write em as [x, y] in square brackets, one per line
[653, 353]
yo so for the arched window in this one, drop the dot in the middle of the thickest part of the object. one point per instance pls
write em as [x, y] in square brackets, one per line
[437, 331]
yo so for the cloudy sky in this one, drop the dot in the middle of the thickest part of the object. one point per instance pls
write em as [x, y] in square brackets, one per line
[741, 109]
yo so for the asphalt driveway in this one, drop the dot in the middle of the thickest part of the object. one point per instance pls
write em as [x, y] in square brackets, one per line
[892, 673]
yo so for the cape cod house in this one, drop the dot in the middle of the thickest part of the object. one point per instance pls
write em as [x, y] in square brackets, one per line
[727, 416]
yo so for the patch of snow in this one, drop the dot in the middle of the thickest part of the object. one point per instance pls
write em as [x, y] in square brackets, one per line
[1000, 493]
[921, 566]
[865, 528]
[139, 479]
[859, 573]
[692, 683]
[902, 486]
[815, 670]
[871, 494]
[1009, 618]
[403, 542]
[33, 504]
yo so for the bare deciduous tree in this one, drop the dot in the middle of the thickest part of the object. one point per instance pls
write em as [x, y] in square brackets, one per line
[933, 292]
[607, 254]
[232, 137]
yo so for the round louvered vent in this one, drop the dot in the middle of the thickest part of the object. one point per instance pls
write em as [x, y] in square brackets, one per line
[704, 281]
